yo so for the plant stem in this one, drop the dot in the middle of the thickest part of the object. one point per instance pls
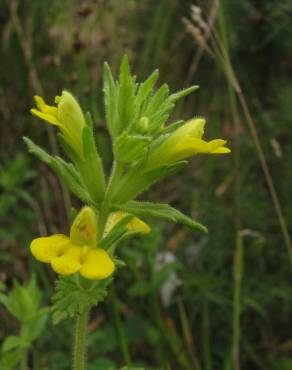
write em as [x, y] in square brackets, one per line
[79, 342]
[238, 257]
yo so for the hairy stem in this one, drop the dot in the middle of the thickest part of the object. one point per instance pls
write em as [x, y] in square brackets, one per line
[79, 341]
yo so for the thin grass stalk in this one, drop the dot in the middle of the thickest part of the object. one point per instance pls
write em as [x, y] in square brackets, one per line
[231, 75]
[123, 343]
[188, 336]
[168, 339]
[238, 256]
[222, 57]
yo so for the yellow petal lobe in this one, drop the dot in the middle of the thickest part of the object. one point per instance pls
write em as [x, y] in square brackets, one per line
[134, 225]
[44, 249]
[221, 150]
[139, 226]
[46, 117]
[97, 264]
[193, 128]
[68, 262]
[112, 220]
[40, 103]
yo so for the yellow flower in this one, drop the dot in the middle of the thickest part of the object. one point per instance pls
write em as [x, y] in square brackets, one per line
[135, 224]
[78, 253]
[67, 115]
[183, 143]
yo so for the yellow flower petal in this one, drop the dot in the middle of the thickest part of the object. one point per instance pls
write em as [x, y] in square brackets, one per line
[134, 225]
[192, 129]
[189, 147]
[112, 220]
[69, 261]
[97, 265]
[138, 225]
[217, 143]
[217, 147]
[40, 102]
[221, 150]
[46, 248]
[46, 117]
[84, 228]
[67, 115]
[45, 112]
[53, 111]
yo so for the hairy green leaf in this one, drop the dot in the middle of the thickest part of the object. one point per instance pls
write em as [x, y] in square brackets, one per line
[110, 100]
[74, 295]
[161, 210]
[37, 151]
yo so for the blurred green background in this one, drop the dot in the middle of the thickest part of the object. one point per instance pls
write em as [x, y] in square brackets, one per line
[184, 301]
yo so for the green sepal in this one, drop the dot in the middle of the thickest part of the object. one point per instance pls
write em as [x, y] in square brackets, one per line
[118, 262]
[181, 94]
[157, 100]
[74, 295]
[68, 173]
[71, 153]
[89, 120]
[89, 145]
[138, 182]
[172, 127]
[37, 151]
[116, 233]
[110, 100]
[129, 148]
[90, 166]
[126, 96]
[146, 87]
[161, 210]
[158, 108]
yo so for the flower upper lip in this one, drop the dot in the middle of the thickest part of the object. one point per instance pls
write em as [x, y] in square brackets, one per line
[67, 115]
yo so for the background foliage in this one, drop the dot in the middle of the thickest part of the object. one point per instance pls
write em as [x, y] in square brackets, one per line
[175, 305]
